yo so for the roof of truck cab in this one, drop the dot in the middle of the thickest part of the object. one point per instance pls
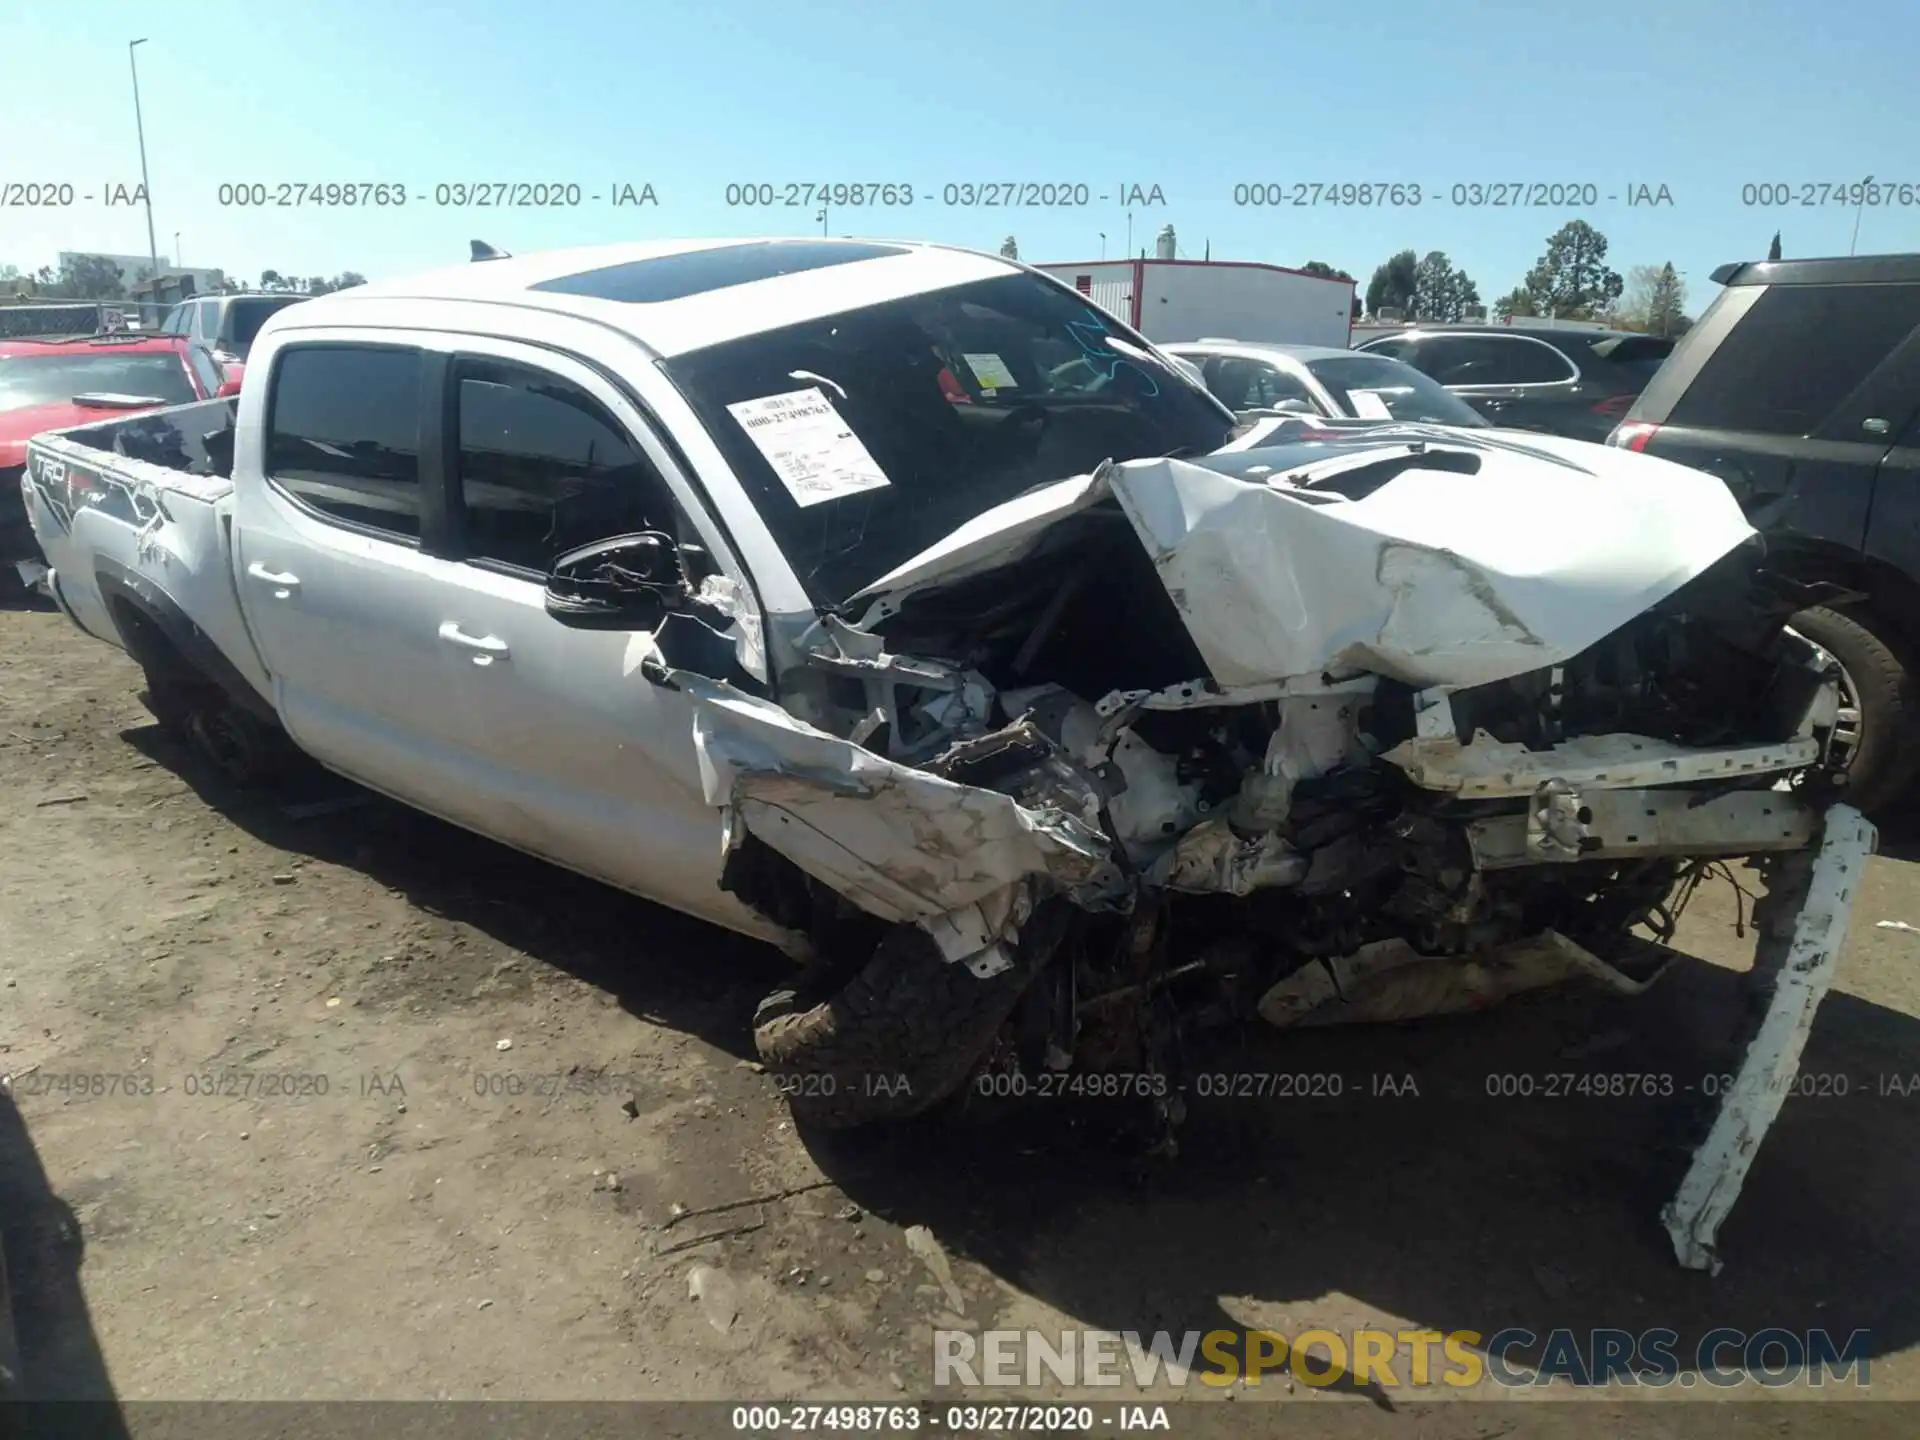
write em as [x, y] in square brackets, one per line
[674, 296]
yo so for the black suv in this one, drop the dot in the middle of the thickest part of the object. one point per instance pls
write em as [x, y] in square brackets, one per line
[1800, 387]
[1576, 383]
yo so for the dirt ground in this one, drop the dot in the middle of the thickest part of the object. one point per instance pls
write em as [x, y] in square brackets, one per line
[353, 1104]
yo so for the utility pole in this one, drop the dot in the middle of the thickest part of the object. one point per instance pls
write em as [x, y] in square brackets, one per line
[1858, 210]
[146, 189]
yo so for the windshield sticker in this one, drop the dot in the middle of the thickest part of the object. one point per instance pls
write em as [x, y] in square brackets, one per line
[809, 445]
[991, 371]
[1368, 405]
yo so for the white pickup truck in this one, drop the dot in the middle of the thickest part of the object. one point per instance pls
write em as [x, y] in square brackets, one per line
[894, 604]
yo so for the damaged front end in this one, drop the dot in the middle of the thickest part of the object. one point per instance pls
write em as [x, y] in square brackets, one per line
[1393, 730]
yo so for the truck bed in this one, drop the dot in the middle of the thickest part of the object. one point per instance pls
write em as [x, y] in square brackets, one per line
[133, 514]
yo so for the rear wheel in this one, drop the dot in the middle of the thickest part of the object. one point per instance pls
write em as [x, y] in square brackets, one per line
[245, 750]
[1875, 733]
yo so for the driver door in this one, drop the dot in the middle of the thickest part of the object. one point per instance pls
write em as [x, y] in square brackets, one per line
[580, 758]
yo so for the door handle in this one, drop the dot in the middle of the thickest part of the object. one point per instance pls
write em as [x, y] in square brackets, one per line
[487, 648]
[283, 583]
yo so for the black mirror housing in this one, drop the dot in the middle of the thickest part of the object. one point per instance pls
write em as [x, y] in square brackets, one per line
[628, 582]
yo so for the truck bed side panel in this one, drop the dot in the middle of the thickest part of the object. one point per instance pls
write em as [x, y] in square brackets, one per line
[99, 514]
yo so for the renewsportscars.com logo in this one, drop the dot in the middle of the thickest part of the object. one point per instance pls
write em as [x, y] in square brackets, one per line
[1398, 1359]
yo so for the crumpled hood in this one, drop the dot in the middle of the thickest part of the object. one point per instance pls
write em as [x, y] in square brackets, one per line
[1435, 578]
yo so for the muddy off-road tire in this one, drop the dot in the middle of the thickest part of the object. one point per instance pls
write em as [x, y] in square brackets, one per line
[1882, 699]
[899, 1037]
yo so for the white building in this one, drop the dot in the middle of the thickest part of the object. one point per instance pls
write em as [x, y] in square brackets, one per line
[1173, 300]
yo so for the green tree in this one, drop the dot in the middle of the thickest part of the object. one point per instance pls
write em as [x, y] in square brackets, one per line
[1516, 304]
[1010, 248]
[347, 279]
[1324, 271]
[1571, 280]
[92, 277]
[272, 280]
[1393, 283]
[1655, 301]
[317, 285]
[1440, 291]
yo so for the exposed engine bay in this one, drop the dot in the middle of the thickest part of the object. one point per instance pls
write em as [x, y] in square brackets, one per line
[1089, 786]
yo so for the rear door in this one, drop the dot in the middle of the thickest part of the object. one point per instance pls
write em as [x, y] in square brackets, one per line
[1795, 406]
[337, 577]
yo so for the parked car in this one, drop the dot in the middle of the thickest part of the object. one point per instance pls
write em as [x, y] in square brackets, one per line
[1577, 383]
[1251, 377]
[1800, 387]
[225, 324]
[811, 587]
[46, 384]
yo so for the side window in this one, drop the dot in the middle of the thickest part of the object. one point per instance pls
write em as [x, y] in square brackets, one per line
[1254, 384]
[1799, 352]
[343, 433]
[177, 320]
[204, 370]
[1492, 360]
[543, 467]
[209, 324]
[1392, 349]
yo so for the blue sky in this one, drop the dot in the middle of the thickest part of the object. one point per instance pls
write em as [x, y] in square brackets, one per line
[1699, 96]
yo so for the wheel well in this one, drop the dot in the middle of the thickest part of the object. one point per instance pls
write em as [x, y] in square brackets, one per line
[1892, 595]
[151, 648]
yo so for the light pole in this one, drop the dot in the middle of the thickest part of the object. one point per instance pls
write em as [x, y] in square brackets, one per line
[1858, 210]
[1103, 244]
[178, 263]
[140, 129]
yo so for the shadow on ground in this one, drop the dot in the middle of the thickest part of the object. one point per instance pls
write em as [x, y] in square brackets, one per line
[1425, 1180]
[53, 1344]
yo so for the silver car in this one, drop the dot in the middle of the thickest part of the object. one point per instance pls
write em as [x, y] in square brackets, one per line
[1253, 377]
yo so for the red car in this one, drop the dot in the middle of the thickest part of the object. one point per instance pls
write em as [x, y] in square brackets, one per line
[52, 383]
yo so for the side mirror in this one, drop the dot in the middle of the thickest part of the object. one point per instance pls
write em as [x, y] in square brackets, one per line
[630, 582]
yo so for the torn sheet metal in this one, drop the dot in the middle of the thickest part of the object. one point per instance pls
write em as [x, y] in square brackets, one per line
[1487, 769]
[1753, 1099]
[900, 843]
[1622, 823]
[1436, 578]
[1389, 981]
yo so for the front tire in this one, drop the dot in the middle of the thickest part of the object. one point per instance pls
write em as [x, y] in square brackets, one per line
[895, 1040]
[1878, 705]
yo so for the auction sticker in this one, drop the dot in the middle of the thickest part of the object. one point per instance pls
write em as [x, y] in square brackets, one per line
[809, 445]
[991, 371]
[1368, 405]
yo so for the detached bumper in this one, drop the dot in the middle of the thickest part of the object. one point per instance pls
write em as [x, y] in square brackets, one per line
[1802, 928]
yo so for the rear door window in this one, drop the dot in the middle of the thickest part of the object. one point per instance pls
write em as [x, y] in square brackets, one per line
[1492, 360]
[545, 468]
[1799, 352]
[343, 434]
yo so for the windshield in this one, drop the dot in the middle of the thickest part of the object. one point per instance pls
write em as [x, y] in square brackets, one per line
[1367, 385]
[27, 380]
[865, 437]
[245, 319]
